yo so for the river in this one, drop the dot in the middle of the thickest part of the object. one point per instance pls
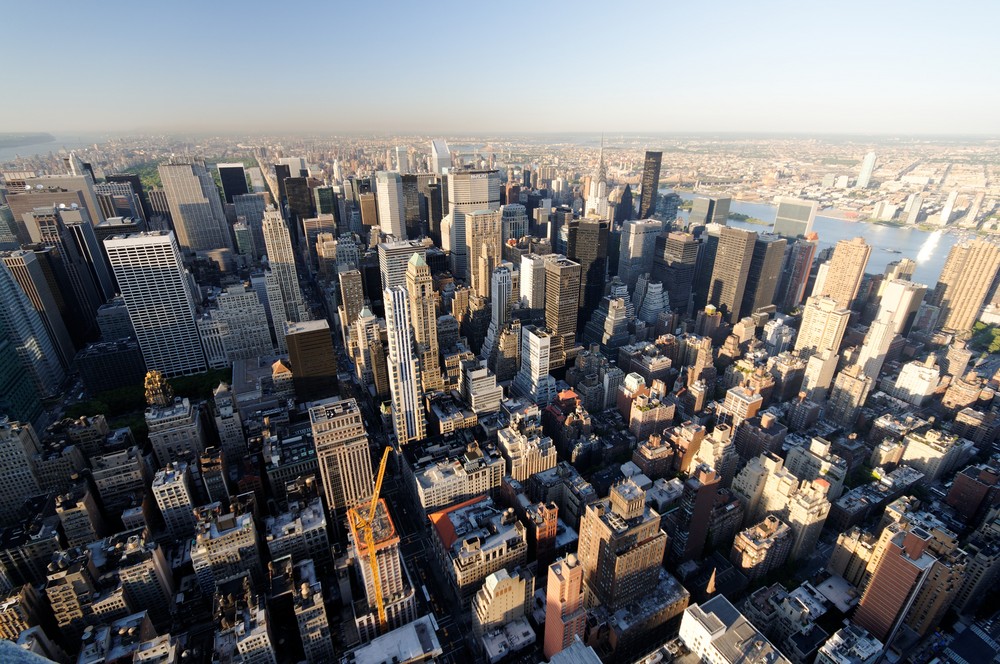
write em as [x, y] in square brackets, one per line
[929, 250]
[67, 141]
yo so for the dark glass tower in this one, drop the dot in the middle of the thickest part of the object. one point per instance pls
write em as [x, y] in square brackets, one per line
[650, 184]
[587, 244]
[674, 263]
[765, 270]
[234, 180]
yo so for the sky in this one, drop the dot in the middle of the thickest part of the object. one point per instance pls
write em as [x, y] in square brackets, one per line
[852, 67]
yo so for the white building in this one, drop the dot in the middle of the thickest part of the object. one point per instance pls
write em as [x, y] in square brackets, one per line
[389, 197]
[173, 495]
[719, 634]
[867, 168]
[468, 191]
[533, 380]
[408, 418]
[533, 281]
[18, 446]
[393, 258]
[281, 259]
[514, 221]
[157, 294]
[225, 547]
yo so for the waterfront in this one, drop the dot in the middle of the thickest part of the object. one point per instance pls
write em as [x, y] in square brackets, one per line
[929, 250]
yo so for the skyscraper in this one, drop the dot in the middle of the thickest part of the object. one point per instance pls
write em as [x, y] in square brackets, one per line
[847, 267]
[730, 271]
[423, 320]
[483, 232]
[587, 244]
[794, 217]
[706, 211]
[867, 168]
[393, 259]
[314, 364]
[900, 303]
[964, 283]
[637, 252]
[389, 190]
[468, 191]
[565, 616]
[822, 328]
[408, 418]
[251, 207]
[674, 263]
[195, 207]
[18, 447]
[148, 269]
[795, 272]
[764, 272]
[900, 573]
[234, 180]
[562, 296]
[440, 156]
[28, 273]
[281, 258]
[345, 466]
[650, 183]
[621, 547]
[514, 220]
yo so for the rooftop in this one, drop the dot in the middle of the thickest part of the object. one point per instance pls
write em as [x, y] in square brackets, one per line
[413, 642]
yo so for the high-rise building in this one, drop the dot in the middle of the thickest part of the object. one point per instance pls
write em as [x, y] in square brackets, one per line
[174, 496]
[764, 272]
[565, 616]
[795, 272]
[423, 320]
[533, 379]
[824, 321]
[389, 192]
[310, 614]
[533, 281]
[867, 168]
[621, 547]
[251, 207]
[281, 258]
[234, 180]
[587, 244]
[440, 156]
[156, 290]
[731, 270]
[393, 258]
[794, 217]
[650, 183]
[61, 240]
[706, 211]
[900, 573]
[23, 326]
[397, 591]
[846, 268]
[965, 280]
[562, 301]
[468, 191]
[225, 547]
[408, 420]
[19, 396]
[639, 240]
[674, 263]
[345, 466]
[514, 219]
[897, 311]
[314, 364]
[762, 548]
[18, 447]
[483, 231]
[195, 207]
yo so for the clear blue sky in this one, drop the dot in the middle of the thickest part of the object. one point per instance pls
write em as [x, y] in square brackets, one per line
[878, 66]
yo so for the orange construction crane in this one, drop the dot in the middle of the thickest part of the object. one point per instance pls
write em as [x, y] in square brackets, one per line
[364, 525]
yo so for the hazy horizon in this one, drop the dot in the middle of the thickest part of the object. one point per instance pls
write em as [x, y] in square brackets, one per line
[884, 69]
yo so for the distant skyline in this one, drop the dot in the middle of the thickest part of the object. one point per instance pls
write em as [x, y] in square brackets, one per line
[890, 68]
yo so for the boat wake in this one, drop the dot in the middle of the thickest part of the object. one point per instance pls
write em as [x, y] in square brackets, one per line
[929, 245]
